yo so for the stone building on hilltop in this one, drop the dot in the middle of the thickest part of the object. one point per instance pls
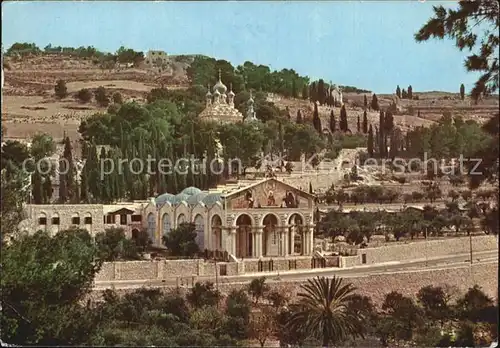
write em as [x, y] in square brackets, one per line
[336, 92]
[156, 58]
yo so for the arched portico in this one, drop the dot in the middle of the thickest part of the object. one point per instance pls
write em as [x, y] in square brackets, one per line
[244, 236]
[200, 231]
[181, 218]
[271, 238]
[217, 232]
[151, 226]
[296, 236]
[166, 224]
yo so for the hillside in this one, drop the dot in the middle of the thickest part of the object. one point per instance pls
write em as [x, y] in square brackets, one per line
[30, 105]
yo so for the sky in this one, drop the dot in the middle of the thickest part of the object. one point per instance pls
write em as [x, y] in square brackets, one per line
[367, 44]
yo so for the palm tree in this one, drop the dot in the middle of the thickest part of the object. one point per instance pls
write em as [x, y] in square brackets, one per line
[323, 311]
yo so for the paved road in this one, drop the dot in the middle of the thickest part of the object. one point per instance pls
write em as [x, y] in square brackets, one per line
[358, 271]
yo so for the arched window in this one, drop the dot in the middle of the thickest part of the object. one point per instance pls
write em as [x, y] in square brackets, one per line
[181, 219]
[151, 226]
[42, 221]
[75, 219]
[167, 226]
[200, 231]
[55, 221]
[217, 230]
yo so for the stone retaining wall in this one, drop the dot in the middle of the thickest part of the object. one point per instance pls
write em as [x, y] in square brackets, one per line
[431, 248]
[169, 269]
[145, 270]
[350, 261]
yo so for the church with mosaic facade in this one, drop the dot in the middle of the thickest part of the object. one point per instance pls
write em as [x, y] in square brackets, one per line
[267, 218]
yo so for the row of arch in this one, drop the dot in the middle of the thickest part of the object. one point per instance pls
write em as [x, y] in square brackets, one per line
[199, 222]
[244, 237]
[272, 242]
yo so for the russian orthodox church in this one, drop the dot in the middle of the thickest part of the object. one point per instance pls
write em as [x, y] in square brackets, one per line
[220, 108]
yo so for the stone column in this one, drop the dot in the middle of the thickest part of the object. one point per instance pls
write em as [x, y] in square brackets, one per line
[207, 232]
[284, 236]
[304, 241]
[223, 236]
[310, 241]
[258, 241]
[232, 237]
[292, 240]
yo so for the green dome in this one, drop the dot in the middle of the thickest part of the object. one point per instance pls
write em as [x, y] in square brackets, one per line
[195, 199]
[211, 199]
[191, 191]
[166, 197]
[180, 197]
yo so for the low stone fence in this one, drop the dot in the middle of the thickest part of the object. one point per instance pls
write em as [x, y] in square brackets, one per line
[349, 261]
[174, 269]
[163, 269]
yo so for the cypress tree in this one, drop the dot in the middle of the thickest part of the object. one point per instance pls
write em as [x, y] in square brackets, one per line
[462, 91]
[36, 182]
[93, 172]
[84, 149]
[381, 135]
[374, 103]
[398, 91]
[69, 177]
[388, 122]
[112, 177]
[343, 119]
[370, 142]
[313, 93]
[395, 143]
[305, 92]
[84, 187]
[404, 95]
[47, 190]
[120, 189]
[300, 120]
[321, 92]
[410, 92]
[365, 122]
[359, 125]
[333, 122]
[104, 181]
[316, 120]
[63, 192]
[388, 127]
[295, 93]
[365, 101]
